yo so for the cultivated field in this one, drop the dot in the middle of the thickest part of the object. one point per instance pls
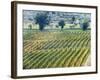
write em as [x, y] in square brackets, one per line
[56, 48]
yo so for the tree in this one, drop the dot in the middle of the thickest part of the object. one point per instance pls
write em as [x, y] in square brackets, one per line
[30, 26]
[85, 24]
[62, 24]
[73, 19]
[42, 20]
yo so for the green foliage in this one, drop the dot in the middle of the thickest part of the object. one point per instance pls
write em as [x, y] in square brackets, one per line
[62, 24]
[42, 20]
[30, 26]
[85, 24]
[73, 19]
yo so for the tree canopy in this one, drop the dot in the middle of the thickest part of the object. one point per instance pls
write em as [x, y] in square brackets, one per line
[62, 24]
[42, 19]
[85, 24]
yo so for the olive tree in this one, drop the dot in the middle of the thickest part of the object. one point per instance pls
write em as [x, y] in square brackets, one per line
[42, 20]
[62, 24]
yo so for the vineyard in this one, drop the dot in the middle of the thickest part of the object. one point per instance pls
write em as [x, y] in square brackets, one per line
[52, 49]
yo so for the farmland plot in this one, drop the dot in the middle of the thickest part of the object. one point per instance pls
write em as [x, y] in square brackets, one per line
[55, 48]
